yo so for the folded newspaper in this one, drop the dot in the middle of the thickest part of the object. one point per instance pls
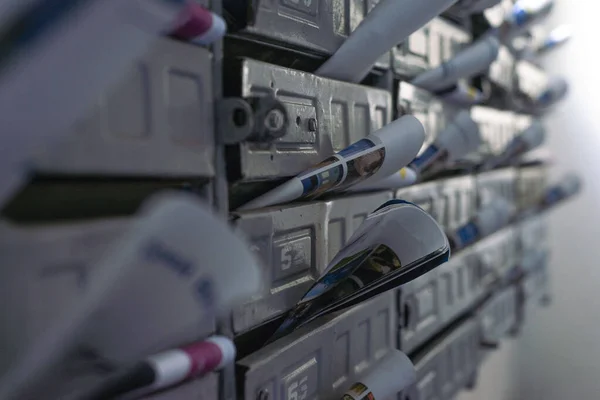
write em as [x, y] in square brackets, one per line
[395, 244]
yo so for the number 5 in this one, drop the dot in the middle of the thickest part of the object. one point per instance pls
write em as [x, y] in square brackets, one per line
[286, 258]
[291, 393]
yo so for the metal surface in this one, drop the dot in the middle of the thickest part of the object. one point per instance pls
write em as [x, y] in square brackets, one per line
[531, 184]
[534, 233]
[502, 71]
[205, 388]
[530, 79]
[497, 128]
[428, 109]
[318, 26]
[46, 269]
[498, 316]
[325, 116]
[430, 303]
[498, 254]
[322, 359]
[157, 122]
[498, 183]
[459, 197]
[427, 48]
[460, 285]
[295, 244]
[426, 196]
[446, 366]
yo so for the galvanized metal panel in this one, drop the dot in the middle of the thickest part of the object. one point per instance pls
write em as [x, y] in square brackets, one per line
[498, 254]
[419, 311]
[157, 122]
[344, 113]
[531, 80]
[427, 48]
[498, 315]
[502, 71]
[317, 25]
[459, 199]
[499, 183]
[343, 217]
[534, 233]
[447, 365]
[427, 196]
[497, 128]
[322, 359]
[531, 185]
[205, 388]
[292, 244]
[428, 109]
[460, 285]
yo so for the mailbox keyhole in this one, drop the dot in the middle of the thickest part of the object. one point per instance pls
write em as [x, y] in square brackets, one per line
[239, 117]
[406, 311]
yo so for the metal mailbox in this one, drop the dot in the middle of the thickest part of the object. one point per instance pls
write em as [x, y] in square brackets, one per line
[319, 26]
[460, 200]
[499, 183]
[322, 359]
[427, 48]
[498, 255]
[460, 285]
[502, 71]
[497, 128]
[428, 109]
[343, 217]
[446, 366]
[289, 240]
[295, 244]
[498, 316]
[426, 196]
[325, 116]
[157, 122]
[531, 184]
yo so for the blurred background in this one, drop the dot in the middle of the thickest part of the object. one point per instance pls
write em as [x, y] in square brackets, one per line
[557, 355]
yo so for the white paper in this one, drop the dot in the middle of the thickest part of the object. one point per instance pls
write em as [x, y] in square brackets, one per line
[388, 24]
[153, 289]
[48, 87]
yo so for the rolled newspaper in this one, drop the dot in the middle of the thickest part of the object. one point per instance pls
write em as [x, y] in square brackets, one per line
[460, 138]
[377, 156]
[386, 25]
[469, 62]
[198, 25]
[405, 177]
[529, 139]
[570, 186]
[462, 94]
[394, 373]
[555, 91]
[493, 216]
[151, 290]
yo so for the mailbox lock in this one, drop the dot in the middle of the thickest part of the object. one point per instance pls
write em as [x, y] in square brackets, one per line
[255, 119]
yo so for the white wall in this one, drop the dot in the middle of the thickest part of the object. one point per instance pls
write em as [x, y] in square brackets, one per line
[557, 355]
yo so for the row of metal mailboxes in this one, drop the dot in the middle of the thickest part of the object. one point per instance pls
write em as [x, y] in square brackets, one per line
[158, 122]
[295, 243]
[324, 359]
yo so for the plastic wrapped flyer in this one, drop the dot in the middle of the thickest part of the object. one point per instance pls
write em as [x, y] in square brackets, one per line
[394, 245]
